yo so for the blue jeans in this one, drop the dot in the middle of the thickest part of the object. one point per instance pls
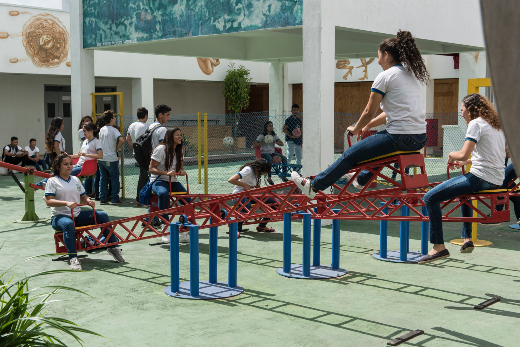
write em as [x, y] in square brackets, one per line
[109, 170]
[37, 163]
[96, 183]
[65, 225]
[452, 188]
[510, 175]
[269, 157]
[162, 189]
[373, 146]
[76, 169]
[248, 206]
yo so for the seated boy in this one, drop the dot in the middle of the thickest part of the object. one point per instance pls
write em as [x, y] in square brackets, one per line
[14, 154]
[33, 156]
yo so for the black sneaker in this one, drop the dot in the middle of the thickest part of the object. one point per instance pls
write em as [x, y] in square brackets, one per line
[467, 247]
[270, 181]
[97, 199]
[104, 202]
[439, 255]
[118, 202]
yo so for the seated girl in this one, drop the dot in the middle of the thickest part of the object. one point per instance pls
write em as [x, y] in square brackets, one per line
[267, 149]
[248, 177]
[63, 193]
[485, 143]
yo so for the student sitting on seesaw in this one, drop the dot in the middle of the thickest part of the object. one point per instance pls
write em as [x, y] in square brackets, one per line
[267, 147]
[248, 177]
[63, 193]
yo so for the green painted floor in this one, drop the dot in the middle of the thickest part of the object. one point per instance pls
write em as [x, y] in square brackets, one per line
[373, 303]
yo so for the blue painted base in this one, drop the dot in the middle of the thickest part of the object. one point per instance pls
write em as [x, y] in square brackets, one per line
[515, 226]
[317, 272]
[207, 291]
[394, 256]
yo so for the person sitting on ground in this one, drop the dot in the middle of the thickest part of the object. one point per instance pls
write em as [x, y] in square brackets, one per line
[485, 143]
[248, 177]
[398, 89]
[135, 130]
[54, 141]
[14, 154]
[84, 120]
[63, 193]
[294, 143]
[267, 149]
[33, 156]
[111, 142]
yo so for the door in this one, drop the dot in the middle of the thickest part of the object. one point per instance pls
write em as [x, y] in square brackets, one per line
[57, 104]
[105, 103]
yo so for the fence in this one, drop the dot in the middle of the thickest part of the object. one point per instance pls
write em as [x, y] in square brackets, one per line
[446, 133]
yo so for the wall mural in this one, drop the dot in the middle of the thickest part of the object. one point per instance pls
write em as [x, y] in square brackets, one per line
[345, 65]
[107, 23]
[207, 65]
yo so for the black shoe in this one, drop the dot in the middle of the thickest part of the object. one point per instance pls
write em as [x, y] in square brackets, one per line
[97, 199]
[439, 255]
[104, 202]
[270, 181]
[467, 247]
[118, 202]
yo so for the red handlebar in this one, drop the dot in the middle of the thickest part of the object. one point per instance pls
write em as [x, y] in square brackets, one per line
[187, 184]
[349, 134]
[72, 214]
[453, 164]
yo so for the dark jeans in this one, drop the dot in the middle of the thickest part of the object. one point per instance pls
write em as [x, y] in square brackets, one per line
[16, 160]
[510, 175]
[37, 163]
[449, 189]
[269, 157]
[109, 171]
[65, 225]
[248, 206]
[373, 146]
[162, 189]
[143, 179]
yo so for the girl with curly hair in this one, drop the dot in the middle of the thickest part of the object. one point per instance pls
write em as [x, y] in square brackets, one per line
[398, 90]
[485, 143]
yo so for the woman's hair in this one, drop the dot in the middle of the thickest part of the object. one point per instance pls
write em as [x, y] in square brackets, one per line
[479, 106]
[99, 124]
[265, 128]
[53, 130]
[172, 152]
[91, 127]
[107, 116]
[403, 50]
[56, 164]
[258, 166]
[84, 119]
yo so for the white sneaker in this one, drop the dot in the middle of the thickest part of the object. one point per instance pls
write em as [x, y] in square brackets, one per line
[304, 184]
[166, 238]
[116, 253]
[75, 264]
[184, 237]
[355, 182]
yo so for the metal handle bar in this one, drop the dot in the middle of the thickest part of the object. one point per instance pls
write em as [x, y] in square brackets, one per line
[453, 164]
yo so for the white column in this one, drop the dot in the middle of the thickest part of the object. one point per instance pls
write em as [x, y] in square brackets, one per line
[82, 75]
[278, 78]
[318, 85]
[142, 95]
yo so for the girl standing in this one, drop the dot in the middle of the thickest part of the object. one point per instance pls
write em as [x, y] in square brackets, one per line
[485, 143]
[267, 149]
[84, 120]
[398, 90]
[54, 141]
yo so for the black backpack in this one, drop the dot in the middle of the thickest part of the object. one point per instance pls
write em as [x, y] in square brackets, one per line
[10, 148]
[143, 148]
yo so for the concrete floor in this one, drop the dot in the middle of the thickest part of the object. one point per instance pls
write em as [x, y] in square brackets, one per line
[375, 302]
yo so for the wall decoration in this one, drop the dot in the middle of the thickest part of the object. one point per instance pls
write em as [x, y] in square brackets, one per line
[17, 13]
[207, 65]
[365, 64]
[345, 65]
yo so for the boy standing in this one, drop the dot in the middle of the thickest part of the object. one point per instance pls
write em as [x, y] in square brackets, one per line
[162, 116]
[111, 141]
[14, 154]
[135, 130]
[294, 143]
[33, 155]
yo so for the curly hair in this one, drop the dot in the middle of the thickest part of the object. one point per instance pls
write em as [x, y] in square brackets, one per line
[402, 48]
[258, 166]
[265, 129]
[172, 151]
[479, 106]
[84, 120]
[51, 133]
[56, 164]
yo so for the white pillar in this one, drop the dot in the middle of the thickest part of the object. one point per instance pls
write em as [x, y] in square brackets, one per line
[318, 85]
[142, 95]
[278, 78]
[82, 75]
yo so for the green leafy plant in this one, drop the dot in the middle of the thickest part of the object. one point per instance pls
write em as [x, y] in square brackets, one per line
[23, 319]
[237, 85]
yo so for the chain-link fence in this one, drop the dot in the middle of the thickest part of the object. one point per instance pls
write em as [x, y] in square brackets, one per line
[230, 140]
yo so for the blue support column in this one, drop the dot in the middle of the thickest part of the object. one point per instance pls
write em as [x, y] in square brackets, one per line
[336, 232]
[424, 232]
[316, 241]
[194, 260]
[287, 242]
[232, 266]
[383, 234]
[403, 235]
[306, 257]
[213, 246]
[174, 257]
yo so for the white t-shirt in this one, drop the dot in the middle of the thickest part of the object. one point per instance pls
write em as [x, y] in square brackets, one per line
[108, 135]
[158, 135]
[31, 152]
[81, 135]
[266, 147]
[12, 150]
[159, 155]
[489, 154]
[59, 138]
[247, 175]
[90, 148]
[403, 101]
[137, 129]
[70, 190]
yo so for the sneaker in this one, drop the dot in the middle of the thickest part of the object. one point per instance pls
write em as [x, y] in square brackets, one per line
[118, 202]
[137, 204]
[166, 239]
[303, 184]
[104, 202]
[355, 183]
[75, 264]
[270, 181]
[116, 253]
[265, 230]
[467, 247]
[184, 238]
[97, 198]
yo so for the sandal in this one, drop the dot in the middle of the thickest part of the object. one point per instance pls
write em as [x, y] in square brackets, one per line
[265, 230]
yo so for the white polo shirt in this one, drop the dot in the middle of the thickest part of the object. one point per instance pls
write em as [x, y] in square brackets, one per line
[137, 129]
[12, 150]
[59, 138]
[247, 175]
[108, 135]
[31, 152]
[158, 134]
[90, 148]
[70, 190]
[267, 147]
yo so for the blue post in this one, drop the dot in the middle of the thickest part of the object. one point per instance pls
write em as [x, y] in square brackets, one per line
[174, 257]
[287, 242]
[194, 260]
[232, 257]
[213, 239]
[383, 234]
[316, 240]
[335, 241]
[306, 258]
[403, 235]
[424, 233]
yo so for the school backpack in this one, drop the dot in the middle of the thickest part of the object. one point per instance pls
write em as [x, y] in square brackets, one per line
[10, 148]
[143, 148]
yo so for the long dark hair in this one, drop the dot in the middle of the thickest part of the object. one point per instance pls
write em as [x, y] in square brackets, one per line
[92, 127]
[265, 128]
[84, 120]
[479, 106]
[171, 153]
[403, 50]
[56, 164]
[53, 130]
[258, 166]
[99, 124]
